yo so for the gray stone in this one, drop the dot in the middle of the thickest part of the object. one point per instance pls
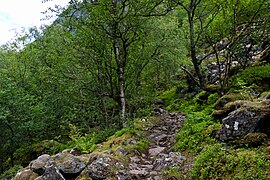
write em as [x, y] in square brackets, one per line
[140, 173]
[100, 168]
[51, 173]
[241, 122]
[71, 166]
[123, 175]
[135, 159]
[174, 159]
[156, 151]
[121, 151]
[38, 165]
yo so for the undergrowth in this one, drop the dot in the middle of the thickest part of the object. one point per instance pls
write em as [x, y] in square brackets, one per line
[213, 160]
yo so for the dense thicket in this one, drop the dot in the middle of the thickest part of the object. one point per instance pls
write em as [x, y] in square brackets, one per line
[101, 63]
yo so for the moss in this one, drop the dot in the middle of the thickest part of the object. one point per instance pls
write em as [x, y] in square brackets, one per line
[229, 107]
[198, 131]
[169, 96]
[251, 140]
[230, 97]
[255, 74]
[27, 153]
[216, 162]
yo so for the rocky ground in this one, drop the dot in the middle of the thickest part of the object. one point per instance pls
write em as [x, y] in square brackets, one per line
[160, 155]
[118, 162]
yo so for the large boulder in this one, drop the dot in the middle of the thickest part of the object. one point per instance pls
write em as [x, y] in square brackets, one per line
[248, 117]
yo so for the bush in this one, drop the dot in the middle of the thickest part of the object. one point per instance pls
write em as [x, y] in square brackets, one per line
[198, 131]
[10, 173]
[216, 162]
[200, 128]
[88, 143]
[254, 74]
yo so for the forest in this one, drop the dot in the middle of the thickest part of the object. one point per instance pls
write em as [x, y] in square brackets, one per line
[104, 66]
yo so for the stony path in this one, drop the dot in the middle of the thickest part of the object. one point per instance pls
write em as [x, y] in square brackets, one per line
[160, 154]
[116, 163]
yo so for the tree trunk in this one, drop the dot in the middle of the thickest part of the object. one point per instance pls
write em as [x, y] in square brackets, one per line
[194, 59]
[122, 95]
[121, 83]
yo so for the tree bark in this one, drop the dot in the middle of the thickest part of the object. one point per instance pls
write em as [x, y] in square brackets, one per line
[194, 59]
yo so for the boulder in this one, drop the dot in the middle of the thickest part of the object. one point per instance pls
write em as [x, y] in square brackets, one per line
[51, 173]
[26, 175]
[38, 165]
[249, 117]
[251, 140]
[71, 167]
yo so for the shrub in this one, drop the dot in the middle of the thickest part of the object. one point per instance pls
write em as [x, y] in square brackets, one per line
[198, 131]
[252, 75]
[10, 173]
[216, 162]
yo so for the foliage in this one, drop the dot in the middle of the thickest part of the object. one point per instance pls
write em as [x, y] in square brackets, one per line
[199, 131]
[10, 173]
[88, 142]
[199, 128]
[254, 74]
[99, 59]
[217, 162]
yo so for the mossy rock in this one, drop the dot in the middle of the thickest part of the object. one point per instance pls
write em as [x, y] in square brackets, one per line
[251, 140]
[230, 97]
[212, 130]
[265, 95]
[229, 107]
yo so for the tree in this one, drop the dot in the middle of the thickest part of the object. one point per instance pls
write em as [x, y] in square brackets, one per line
[108, 30]
[209, 24]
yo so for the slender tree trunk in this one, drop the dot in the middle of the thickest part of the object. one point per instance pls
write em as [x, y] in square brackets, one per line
[121, 83]
[194, 59]
[120, 58]
[122, 95]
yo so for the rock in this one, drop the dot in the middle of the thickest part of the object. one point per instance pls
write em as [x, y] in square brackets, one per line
[133, 142]
[153, 173]
[38, 165]
[251, 139]
[243, 121]
[135, 159]
[101, 167]
[121, 151]
[75, 152]
[156, 151]
[51, 173]
[123, 175]
[141, 173]
[26, 175]
[174, 159]
[71, 167]
[161, 138]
